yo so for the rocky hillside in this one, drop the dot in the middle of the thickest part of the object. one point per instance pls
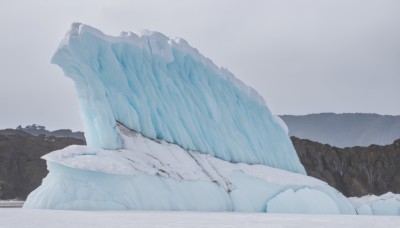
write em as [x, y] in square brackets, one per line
[21, 169]
[354, 171]
[345, 130]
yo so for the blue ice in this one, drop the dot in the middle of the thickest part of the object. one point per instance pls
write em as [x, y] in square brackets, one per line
[166, 90]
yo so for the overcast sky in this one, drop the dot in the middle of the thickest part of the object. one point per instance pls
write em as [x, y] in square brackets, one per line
[302, 56]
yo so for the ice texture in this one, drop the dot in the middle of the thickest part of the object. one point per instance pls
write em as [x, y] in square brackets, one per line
[150, 174]
[303, 200]
[386, 204]
[166, 90]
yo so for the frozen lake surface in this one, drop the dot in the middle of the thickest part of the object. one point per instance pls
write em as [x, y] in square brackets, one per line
[17, 217]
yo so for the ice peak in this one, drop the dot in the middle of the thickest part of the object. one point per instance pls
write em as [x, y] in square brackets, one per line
[74, 30]
[165, 89]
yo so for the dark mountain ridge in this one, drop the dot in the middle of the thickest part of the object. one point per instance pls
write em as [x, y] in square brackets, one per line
[345, 130]
[41, 130]
[354, 171]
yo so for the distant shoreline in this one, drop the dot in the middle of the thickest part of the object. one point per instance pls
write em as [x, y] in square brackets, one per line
[11, 203]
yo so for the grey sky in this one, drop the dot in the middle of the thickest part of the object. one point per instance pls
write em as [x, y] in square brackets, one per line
[302, 56]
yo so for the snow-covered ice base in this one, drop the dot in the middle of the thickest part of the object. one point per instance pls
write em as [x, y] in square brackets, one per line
[155, 175]
[386, 204]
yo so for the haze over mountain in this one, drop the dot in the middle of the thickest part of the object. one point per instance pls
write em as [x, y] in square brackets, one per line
[37, 130]
[345, 130]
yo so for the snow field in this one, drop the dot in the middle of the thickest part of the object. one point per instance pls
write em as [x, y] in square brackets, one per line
[29, 218]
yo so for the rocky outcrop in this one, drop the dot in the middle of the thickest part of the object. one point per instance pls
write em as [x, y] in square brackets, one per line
[21, 169]
[355, 171]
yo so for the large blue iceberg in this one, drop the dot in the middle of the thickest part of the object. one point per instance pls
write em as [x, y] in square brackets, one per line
[169, 130]
[167, 90]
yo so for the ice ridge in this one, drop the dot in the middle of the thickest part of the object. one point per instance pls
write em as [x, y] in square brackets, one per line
[166, 90]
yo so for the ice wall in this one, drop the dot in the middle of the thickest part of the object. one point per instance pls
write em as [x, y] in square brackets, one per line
[166, 90]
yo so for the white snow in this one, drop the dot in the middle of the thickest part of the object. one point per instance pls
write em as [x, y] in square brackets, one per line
[156, 157]
[28, 218]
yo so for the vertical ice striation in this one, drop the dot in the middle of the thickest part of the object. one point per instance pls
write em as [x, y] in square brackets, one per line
[165, 89]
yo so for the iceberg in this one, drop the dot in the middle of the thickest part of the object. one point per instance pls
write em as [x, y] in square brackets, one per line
[169, 130]
[166, 90]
